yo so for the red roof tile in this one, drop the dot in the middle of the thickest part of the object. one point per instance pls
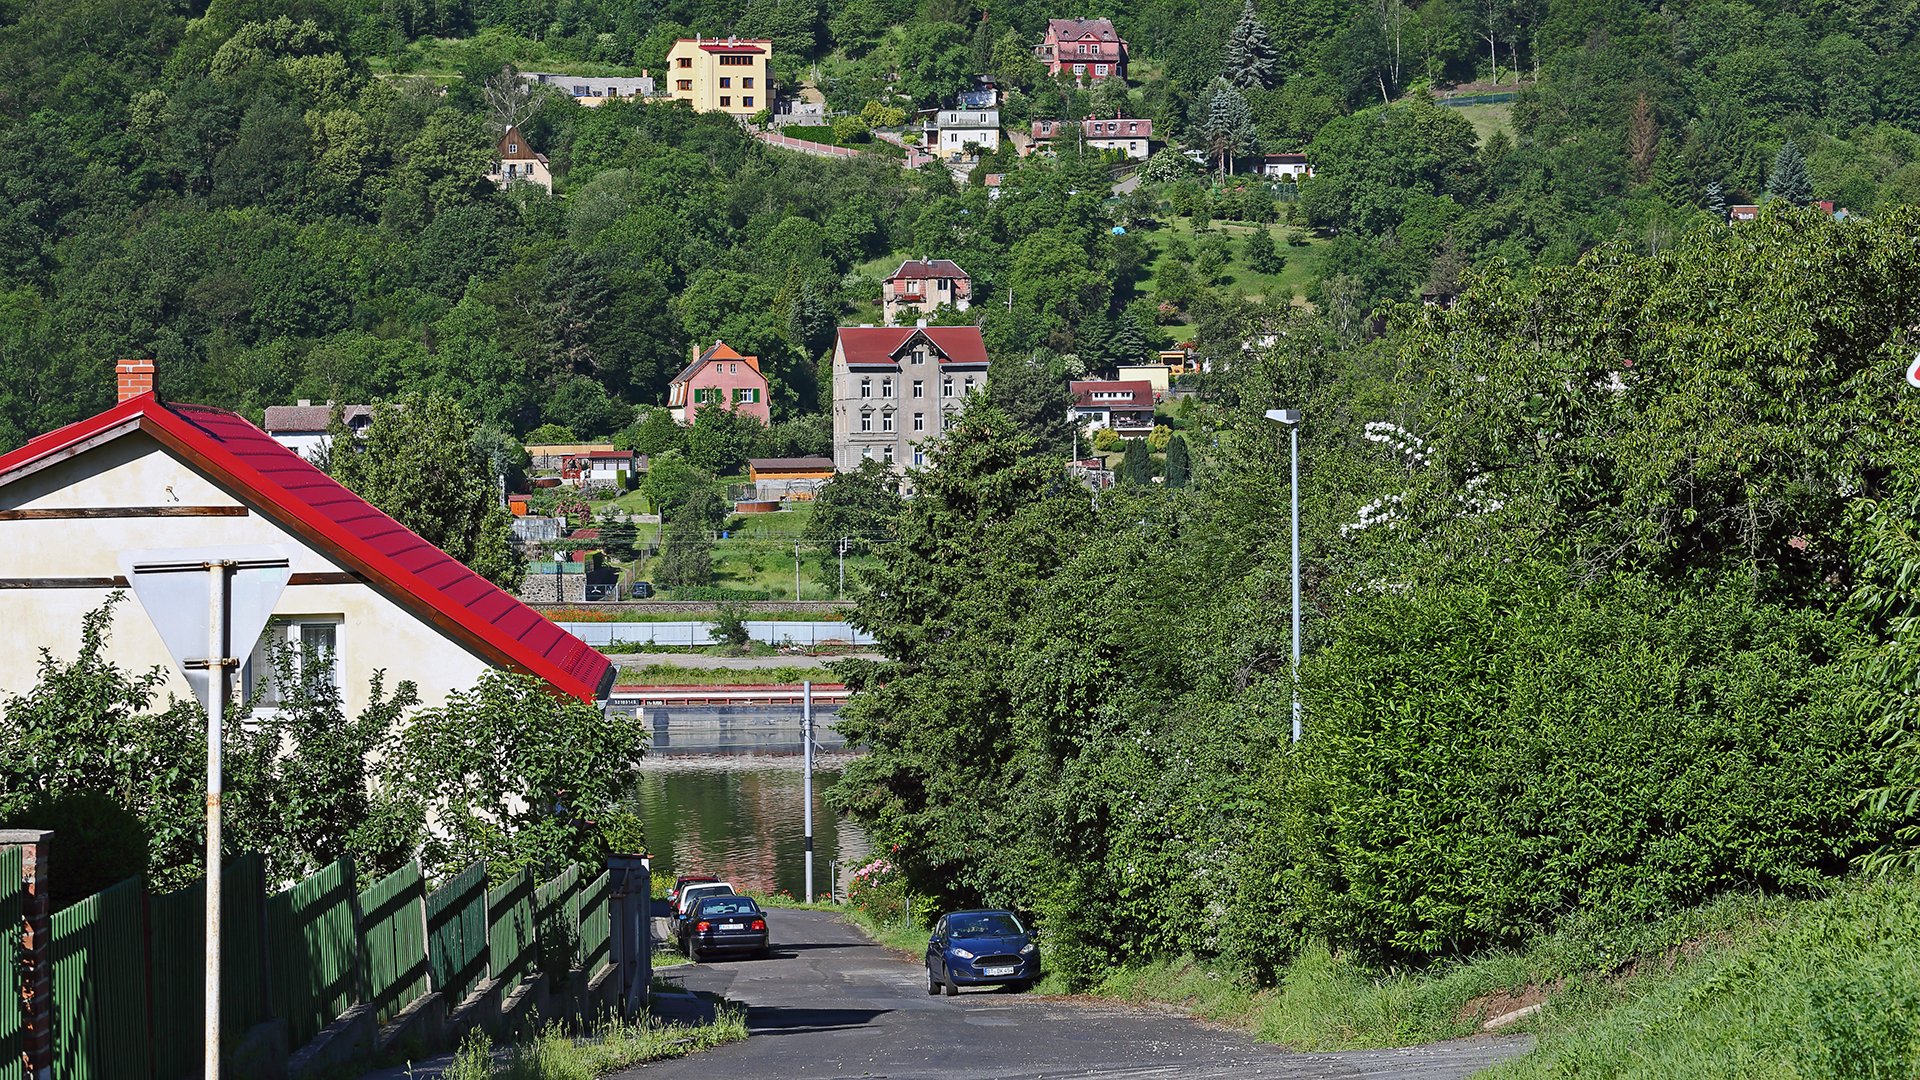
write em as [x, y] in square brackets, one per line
[284, 486]
[884, 344]
[918, 269]
[1139, 394]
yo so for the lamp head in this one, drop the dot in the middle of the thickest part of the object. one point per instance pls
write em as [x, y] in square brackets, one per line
[1284, 416]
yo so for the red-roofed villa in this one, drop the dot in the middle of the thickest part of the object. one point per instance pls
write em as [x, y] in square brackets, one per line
[1125, 406]
[896, 386]
[1090, 48]
[365, 591]
[921, 286]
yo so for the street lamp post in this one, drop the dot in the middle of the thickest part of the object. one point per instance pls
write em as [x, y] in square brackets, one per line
[1291, 418]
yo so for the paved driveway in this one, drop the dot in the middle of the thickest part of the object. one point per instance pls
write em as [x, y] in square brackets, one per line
[830, 1003]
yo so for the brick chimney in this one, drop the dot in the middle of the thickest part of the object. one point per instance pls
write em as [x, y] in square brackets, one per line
[136, 378]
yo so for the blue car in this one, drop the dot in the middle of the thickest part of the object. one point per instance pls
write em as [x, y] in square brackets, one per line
[981, 948]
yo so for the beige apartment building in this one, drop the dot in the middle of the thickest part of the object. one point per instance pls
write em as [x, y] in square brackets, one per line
[729, 75]
[894, 387]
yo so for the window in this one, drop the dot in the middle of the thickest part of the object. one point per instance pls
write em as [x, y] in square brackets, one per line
[1099, 69]
[866, 386]
[969, 384]
[725, 82]
[309, 646]
[866, 419]
[919, 421]
[886, 388]
[683, 84]
[513, 148]
[919, 456]
[886, 454]
[867, 452]
[946, 386]
[733, 369]
[919, 357]
[946, 421]
[726, 102]
[747, 84]
[684, 62]
[746, 395]
[919, 388]
[748, 100]
[1079, 70]
[736, 61]
[886, 420]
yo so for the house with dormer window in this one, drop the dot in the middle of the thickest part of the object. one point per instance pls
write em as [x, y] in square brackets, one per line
[1090, 49]
[894, 387]
[719, 376]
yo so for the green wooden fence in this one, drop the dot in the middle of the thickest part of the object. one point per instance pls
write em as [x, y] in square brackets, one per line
[177, 957]
[393, 928]
[457, 933]
[596, 923]
[100, 986]
[556, 916]
[511, 948]
[315, 945]
[12, 909]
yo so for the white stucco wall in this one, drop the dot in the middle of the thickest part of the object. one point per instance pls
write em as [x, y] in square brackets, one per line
[134, 470]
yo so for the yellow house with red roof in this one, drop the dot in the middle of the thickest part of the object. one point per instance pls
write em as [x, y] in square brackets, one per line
[730, 75]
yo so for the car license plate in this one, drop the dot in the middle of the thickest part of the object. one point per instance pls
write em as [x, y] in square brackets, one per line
[998, 971]
[732, 926]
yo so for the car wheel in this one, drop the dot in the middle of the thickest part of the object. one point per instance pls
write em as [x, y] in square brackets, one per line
[933, 984]
[953, 988]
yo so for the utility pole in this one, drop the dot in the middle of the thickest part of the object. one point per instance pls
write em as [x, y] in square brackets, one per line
[806, 784]
[843, 568]
[796, 570]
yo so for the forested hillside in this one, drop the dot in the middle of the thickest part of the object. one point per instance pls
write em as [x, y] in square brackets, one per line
[286, 200]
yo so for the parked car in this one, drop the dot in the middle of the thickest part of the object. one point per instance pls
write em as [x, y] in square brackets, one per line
[642, 590]
[981, 948]
[686, 899]
[726, 924]
[681, 882]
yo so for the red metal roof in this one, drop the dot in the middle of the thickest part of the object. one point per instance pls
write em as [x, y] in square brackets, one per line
[884, 344]
[733, 47]
[920, 269]
[285, 487]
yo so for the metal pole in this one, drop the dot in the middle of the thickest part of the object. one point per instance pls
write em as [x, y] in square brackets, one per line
[216, 715]
[796, 571]
[1294, 431]
[843, 568]
[806, 785]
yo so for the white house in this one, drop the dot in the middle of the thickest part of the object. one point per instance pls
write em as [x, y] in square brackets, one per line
[958, 129]
[1132, 138]
[302, 428]
[366, 593]
[515, 162]
[1126, 407]
[1285, 167]
[602, 466]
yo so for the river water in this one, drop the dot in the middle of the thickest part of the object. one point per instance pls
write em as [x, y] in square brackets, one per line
[740, 817]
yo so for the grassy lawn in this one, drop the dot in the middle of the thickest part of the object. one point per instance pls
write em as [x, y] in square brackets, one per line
[1487, 119]
[674, 675]
[1291, 281]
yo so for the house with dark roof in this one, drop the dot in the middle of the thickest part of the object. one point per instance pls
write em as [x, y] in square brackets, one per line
[302, 428]
[719, 376]
[1089, 48]
[366, 595]
[923, 286]
[894, 387]
[1132, 138]
[515, 162]
[1126, 406]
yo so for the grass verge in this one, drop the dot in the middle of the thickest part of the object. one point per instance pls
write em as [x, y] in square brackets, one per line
[675, 675]
[555, 1055]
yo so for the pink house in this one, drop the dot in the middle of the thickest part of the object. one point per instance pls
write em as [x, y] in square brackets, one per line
[1090, 48]
[719, 376]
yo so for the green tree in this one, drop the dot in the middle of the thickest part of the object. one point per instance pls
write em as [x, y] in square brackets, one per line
[1789, 179]
[730, 623]
[686, 553]
[551, 435]
[655, 434]
[1262, 254]
[1251, 59]
[720, 439]
[1179, 467]
[1136, 463]
[419, 461]
[1224, 127]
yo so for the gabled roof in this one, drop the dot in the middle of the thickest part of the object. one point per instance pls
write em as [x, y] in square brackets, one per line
[920, 269]
[790, 464]
[1045, 129]
[1139, 394]
[868, 345]
[719, 350]
[287, 489]
[1117, 129]
[282, 419]
[1082, 30]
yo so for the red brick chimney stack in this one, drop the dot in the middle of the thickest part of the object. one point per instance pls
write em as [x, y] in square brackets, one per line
[136, 378]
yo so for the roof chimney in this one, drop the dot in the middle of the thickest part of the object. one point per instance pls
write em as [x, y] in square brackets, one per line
[135, 378]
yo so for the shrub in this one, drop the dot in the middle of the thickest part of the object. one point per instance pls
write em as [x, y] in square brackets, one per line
[97, 842]
[1483, 758]
[730, 623]
[1107, 439]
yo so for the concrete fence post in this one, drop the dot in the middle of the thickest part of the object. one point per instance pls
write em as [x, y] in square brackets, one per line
[36, 947]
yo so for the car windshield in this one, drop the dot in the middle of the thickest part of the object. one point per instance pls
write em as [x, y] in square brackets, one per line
[728, 905]
[985, 924]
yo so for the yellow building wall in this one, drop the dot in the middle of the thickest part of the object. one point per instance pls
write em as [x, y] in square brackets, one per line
[376, 634]
[702, 72]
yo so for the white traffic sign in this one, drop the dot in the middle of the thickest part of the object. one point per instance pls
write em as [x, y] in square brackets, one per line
[172, 586]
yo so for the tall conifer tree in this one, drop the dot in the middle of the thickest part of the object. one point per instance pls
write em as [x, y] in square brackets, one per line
[1251, 59]
[1789, 179]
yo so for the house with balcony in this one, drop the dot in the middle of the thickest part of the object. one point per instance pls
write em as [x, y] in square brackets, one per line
[1125, 406]
[730, 75]
[1131, 138]
[961, 134]
[514, 162]
[895, 387]
[1090, 49]
[922, 286]
[719, 376]
[594, 90]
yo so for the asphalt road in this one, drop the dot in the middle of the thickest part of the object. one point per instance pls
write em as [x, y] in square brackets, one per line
[830, 1003]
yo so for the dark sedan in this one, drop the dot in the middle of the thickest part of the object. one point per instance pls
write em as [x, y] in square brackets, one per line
[726, 924]
[981, 948]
